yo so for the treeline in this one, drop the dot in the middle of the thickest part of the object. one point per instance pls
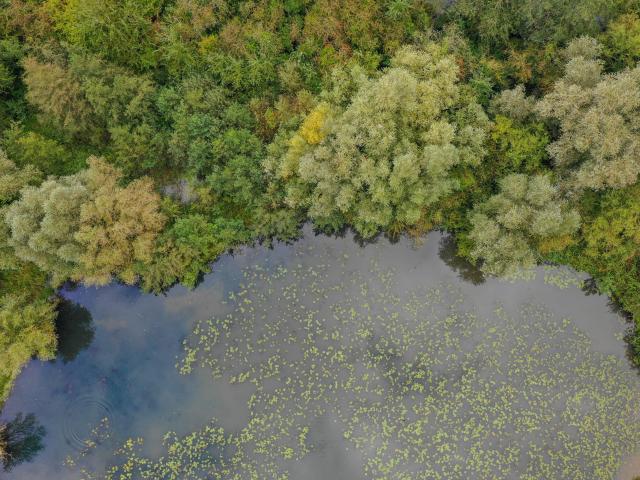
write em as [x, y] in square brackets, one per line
[143, 138]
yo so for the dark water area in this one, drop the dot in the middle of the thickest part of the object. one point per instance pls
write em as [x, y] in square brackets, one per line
[121, 373]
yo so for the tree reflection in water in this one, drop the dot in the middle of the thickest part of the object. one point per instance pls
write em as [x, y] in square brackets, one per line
[75, 330]
[20, 440]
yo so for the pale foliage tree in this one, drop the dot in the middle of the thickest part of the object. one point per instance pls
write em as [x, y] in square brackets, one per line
[514, 104]
[12, 180]
[86, 226]
[599, 119]
[380, 151]
[43, 222]
[525, 218]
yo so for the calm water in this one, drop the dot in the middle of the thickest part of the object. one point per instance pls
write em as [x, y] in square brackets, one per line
[385, 358]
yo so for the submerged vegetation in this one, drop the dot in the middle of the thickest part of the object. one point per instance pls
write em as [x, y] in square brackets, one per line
[140, 140]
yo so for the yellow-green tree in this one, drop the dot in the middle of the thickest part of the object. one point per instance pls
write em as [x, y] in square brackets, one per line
[26, 329]
[118, 225]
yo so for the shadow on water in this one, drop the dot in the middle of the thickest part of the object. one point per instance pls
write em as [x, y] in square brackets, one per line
[75, 330]
[22, 440]
[448, 253]
[590, 286]
[631, 337]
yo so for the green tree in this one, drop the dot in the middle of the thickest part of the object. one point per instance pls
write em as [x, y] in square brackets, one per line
[185, 252]
[340, 28]
[512, 229]
[12, 105]
[517, 147]
[502, 24]
[622, 41]
[27, 147]
[611, 246]
[26, 329]
[120, 30]
[387, 157]
[99, 104]
[186, 33]
[207, 126]
[613, 236]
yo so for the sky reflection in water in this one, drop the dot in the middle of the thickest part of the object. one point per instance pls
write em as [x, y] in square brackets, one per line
[120, 360]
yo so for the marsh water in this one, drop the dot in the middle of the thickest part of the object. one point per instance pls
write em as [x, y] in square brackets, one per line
[326, 359]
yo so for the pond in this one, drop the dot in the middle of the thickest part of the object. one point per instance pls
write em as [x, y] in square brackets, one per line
[326, 359]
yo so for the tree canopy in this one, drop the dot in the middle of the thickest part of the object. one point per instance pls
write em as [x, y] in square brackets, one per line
[527, 216]
[85, 226]
[142, 139]
[384, 159]
[599, 120]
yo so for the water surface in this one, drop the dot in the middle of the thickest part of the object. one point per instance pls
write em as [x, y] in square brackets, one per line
[323, 359]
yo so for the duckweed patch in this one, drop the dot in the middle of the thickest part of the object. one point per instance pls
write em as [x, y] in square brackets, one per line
[411, 383]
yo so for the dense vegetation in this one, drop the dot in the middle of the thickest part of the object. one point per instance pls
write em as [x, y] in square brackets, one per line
[140, 139]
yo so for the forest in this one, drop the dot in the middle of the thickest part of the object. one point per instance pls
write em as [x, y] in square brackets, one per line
[142, 139]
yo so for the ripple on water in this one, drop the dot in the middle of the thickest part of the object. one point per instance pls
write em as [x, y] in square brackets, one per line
[82, 416]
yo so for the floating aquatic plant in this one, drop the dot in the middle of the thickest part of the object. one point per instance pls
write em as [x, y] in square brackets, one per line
[417, 383]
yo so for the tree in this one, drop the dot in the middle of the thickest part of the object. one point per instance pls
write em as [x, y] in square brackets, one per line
[85, 226]
[613, 235]
[518, 140]
[387, 156]
[237, 178]
[185, 25]
[118, 226]
[186, 250]
[58, 94]
[518, 147]
[97, 103]
[527, 218]
[121, 31]
[622, 41]
[43, 223]
[26, 329]
[368, 28]
[12, 105]
[27, 311]
[503, 24]
[13, 179]
[599, 120]
[32, 148]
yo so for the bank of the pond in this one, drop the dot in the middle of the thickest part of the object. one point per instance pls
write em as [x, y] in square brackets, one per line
[387, 359]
